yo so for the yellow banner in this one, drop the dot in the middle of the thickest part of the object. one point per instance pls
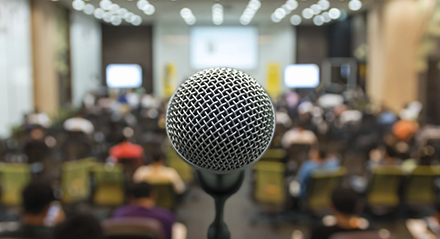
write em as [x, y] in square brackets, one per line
[273, 84]
[169, 82]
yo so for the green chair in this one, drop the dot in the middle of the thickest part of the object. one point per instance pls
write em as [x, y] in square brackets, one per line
[75, 180]
[109, 183]
[14, 178]
[419, 188]
[275, 155]
[270, 185]
[166, 197]
[383, 189]
[183, 169]
[321, 186]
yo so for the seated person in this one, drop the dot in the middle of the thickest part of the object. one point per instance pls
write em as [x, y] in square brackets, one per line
[79, 124]
[79, 227]
[298, 135]
[345, 206]
[317, 161]
[156, 172]
[388, 159]
[36, 148]
[142, 204]
[127, 150]
[37, 199]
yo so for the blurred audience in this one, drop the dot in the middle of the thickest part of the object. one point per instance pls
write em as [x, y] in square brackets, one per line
[142, 200]
[318, 160]
[157, 172]
[36, 148]
[37, 200]
[79, 123]
[345, 208]
[79, 227]
[128, 151]
[299, 135]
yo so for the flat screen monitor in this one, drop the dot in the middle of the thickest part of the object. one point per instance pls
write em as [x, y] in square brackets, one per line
[124, 76]
[301, 76]
[235, 47]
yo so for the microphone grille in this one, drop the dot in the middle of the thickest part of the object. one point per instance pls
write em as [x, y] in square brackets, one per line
[220, 120]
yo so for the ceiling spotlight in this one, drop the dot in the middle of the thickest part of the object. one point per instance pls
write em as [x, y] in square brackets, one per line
[316, 9]
[295, 20]
[107, 17]
[88, 9]
[128, 17]
[136, 20]
[324, 4]
[114, 8]
[318, 20]
[244, 21]
[191, 21]
[287, 9]
[105, 4]
[122, 12]
[150, 9]
[185, 13]
[355, 5]
[334, 13]
[307, 13]
[280, 13]
[116, 20]
[142, 4]
[99, 13]
[78, 5]
[254, 4]
[293, 4]
[274, 18]
[326, 17]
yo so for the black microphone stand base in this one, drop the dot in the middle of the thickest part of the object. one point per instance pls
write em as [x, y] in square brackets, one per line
[220, 187]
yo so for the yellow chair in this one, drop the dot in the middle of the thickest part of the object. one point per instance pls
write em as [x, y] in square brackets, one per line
[321, 186]
[166, 197]
[383, 189]
[109, 184]
[14, 178]
[419, 188]
[183, 169]
[275, 155]
[269, 183]
[75, 180]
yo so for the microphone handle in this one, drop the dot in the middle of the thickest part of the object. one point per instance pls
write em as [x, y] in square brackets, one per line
[220, 187]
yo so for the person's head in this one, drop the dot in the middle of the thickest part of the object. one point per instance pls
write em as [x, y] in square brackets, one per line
[79, 226]
[139, 191]
[318, 154]
[37, 133]
[390, 152]
[37, 198]
[157, 158]
[345, 201]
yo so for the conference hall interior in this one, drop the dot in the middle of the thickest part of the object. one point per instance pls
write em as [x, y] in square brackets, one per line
[138, 119]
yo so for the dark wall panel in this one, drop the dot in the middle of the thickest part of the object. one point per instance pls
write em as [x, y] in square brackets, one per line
[312, 46]
[129, 45]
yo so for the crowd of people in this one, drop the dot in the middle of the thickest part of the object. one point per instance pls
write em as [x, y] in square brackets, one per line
[129, 128]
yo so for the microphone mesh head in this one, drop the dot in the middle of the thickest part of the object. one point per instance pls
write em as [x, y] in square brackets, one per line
[220, 120]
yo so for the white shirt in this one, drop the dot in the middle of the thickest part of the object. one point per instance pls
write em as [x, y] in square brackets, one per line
[159, 174]
[294, 136]
[79, 124]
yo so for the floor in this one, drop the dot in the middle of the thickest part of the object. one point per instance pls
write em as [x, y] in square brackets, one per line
[197, 213]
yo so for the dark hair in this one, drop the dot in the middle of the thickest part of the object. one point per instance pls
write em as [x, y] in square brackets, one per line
[81, 226]
[156, 157]
[322, 153]
[36, 197]
[345, 200]
[390, 151]
[139, 190]
[437, 205]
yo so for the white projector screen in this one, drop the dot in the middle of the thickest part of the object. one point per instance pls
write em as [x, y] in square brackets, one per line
[235, 47]
[124, 76]
[301, 76]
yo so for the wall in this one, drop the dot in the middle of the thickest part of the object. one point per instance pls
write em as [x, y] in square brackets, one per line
[16, 96]
[128, 44]
[171, 45]
[85, 48]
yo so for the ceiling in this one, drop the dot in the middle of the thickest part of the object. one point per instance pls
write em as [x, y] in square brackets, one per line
[168, 10]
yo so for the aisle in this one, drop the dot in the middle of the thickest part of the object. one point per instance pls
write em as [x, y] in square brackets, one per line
[197, 213]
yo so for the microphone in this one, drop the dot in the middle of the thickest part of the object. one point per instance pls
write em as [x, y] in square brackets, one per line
[220, 121]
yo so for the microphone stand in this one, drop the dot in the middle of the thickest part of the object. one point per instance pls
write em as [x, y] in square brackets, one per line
[220, 187]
